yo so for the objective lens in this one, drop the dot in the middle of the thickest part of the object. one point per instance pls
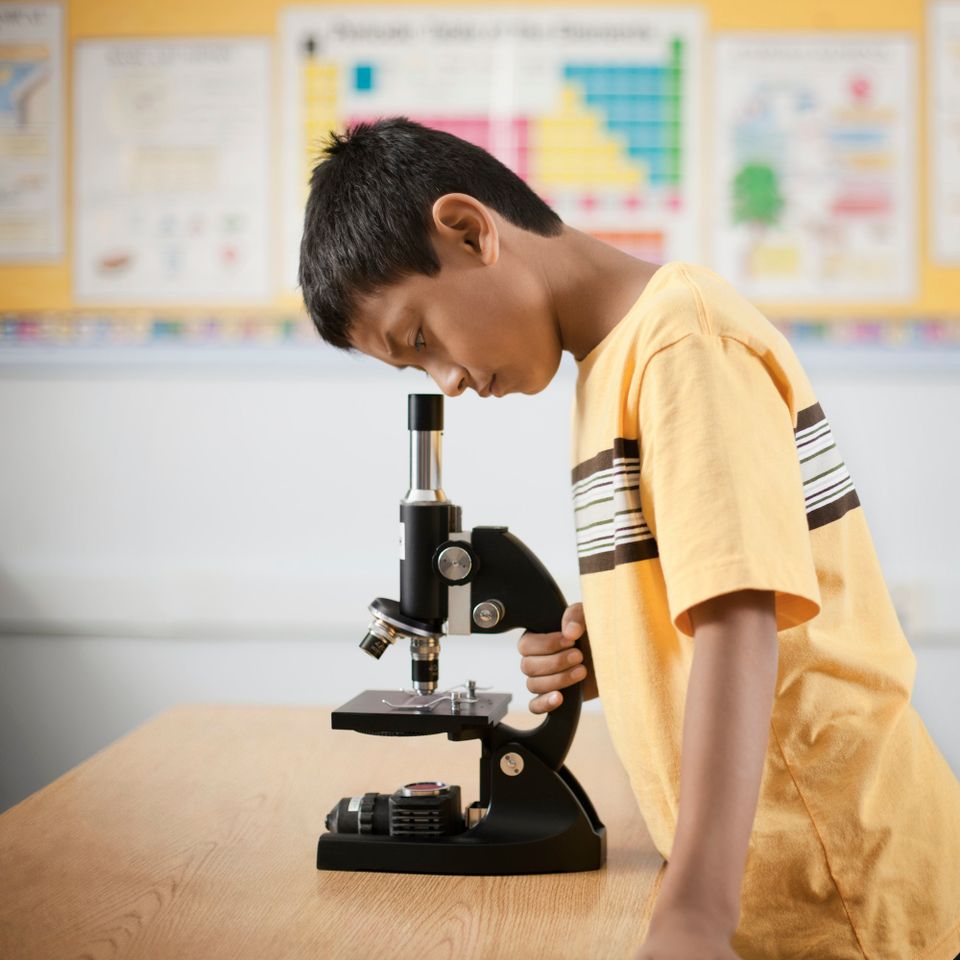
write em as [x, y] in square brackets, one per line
[373, 645]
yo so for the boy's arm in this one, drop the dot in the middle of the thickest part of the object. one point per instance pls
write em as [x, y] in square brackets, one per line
[725, 732]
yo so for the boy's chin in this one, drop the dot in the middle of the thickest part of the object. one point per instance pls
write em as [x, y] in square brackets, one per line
[533, 386]
[541, 379]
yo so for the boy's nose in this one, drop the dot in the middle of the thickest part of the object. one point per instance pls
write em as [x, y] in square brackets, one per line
[452, 381]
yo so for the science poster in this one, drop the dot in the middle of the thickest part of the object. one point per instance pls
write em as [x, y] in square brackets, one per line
[814, 172]
[598, 110]
[172, 173]
[943, 50]
[31, 132]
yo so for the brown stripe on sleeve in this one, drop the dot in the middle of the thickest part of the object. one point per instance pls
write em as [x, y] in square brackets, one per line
[636, 550]
[623, 553]
[602, 461]
[597, 563]
[809, 416]
[832, 511]
[625, 448]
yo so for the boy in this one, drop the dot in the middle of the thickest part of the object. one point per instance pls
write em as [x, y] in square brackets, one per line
[755, 679]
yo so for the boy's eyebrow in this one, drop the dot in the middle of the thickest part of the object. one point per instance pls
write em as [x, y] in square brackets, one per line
[392, 350]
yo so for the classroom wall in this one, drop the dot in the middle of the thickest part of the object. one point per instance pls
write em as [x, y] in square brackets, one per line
[36, 287]
[211, 526]
[144, 500]
[216, 536]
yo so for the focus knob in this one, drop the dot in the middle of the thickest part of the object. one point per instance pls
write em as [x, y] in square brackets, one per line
[455, 562]
[488, 613]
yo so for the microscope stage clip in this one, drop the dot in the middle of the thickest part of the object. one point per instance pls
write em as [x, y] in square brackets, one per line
[456, 696]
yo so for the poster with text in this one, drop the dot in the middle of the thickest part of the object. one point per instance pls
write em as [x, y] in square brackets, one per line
[944, 120]
[172, 172]
[597, 109]
[31, 132]
[814, 168]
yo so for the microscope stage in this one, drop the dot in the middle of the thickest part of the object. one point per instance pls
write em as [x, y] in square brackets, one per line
[367, 713]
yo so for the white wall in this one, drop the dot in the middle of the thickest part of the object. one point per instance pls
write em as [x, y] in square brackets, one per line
[202, 527]
[238, 498]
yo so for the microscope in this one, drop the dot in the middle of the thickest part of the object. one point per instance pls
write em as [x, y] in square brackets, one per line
[532, 816]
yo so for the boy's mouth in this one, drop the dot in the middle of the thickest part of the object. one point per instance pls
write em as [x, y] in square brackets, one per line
[486, 391]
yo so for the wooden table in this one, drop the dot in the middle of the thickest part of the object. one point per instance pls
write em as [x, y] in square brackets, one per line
[195, 836]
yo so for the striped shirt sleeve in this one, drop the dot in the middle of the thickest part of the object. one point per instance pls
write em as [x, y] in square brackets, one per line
[720, 480]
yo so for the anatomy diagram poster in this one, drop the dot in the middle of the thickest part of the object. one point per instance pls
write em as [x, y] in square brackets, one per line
[814, 166]
[172, 178]
[944, 119]
[31, 131]
[598, 110]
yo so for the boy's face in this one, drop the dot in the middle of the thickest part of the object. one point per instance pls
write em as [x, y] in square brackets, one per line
[483, 322]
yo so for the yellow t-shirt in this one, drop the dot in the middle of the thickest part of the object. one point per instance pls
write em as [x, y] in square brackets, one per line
[703, 464]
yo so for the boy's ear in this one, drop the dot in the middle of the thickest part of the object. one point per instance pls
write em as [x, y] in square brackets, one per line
[467, 224]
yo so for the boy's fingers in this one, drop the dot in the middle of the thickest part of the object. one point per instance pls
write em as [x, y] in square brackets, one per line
[538, 644]
[556, 681]
[573, 614]
[544, 666]
[546, 702]
[572, 627]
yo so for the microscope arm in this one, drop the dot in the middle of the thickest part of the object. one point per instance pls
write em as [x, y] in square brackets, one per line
[510, 572]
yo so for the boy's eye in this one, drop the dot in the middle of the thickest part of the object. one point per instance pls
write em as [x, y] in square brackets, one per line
[419, 341]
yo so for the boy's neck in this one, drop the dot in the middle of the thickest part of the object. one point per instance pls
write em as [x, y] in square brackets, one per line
[591, 285]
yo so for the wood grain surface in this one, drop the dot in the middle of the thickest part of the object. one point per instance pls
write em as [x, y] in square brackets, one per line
[195, 837]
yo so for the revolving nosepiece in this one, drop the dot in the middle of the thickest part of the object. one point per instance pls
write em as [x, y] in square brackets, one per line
[389, 625]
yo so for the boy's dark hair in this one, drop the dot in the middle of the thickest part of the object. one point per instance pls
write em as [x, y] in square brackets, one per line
[367, 222]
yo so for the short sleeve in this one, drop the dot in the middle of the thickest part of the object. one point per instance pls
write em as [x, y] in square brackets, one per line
[720, 481]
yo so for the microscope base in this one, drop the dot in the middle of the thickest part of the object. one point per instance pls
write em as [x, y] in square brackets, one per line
[538, 821]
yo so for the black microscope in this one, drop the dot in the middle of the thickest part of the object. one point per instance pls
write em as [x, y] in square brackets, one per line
[532, 815]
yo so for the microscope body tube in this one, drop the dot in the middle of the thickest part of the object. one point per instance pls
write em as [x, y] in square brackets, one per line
[423, 596]
[425, 465]
[426, 520]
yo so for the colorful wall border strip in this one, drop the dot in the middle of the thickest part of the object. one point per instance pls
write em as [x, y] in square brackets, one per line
[159, 329]
[93, 329]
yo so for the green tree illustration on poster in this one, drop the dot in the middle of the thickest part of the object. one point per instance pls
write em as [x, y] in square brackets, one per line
[756, 195]
[757, 203]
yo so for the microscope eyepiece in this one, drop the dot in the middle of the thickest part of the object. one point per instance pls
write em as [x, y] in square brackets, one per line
[425, 423]
[425, 411]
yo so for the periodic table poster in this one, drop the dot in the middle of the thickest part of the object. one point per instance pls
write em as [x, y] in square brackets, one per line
[598, 110]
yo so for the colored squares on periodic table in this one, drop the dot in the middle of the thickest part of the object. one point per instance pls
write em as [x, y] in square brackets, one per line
[363, 77]
[598, 110]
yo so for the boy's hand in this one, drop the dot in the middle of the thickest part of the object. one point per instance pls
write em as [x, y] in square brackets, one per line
[551, 662]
